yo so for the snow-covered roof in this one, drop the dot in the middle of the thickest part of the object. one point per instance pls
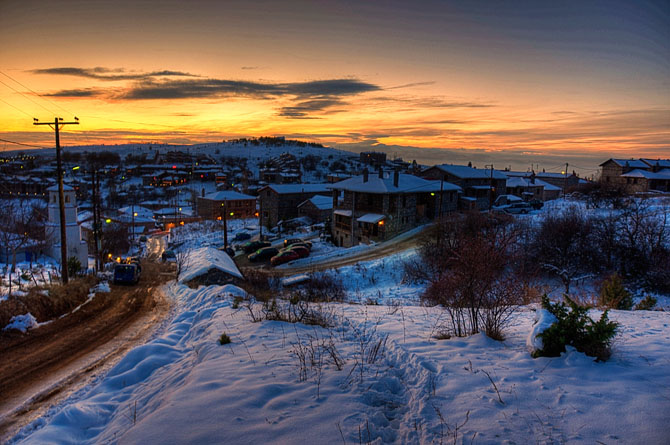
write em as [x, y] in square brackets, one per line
[321, 202]
[185, 211]
[228, 195]
[634, 163]
[200, 261]
[343, 212]
[141, 211]
[406, 184]
[546, 185]
[465, 172]
[372, 218]
[555, 175]
[54, 188]
[637, 173]
[83, 216]
[665, 163]
[481, 187]
[287, 189]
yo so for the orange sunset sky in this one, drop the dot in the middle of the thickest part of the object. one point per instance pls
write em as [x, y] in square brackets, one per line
[510, 82]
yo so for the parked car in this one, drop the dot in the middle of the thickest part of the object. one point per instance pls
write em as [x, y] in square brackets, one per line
[517, 208]
[169, 257]
[229, 250]
[303, 252]
[127, 273]
[536, 204]
[253, 246]
[241, 236]
[284, 257]
[306, 244]
[289, 241]
[263, 254]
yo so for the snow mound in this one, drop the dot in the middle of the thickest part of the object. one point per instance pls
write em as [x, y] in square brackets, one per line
[543, 319]
[102, 287]
[22, 323]
[201, 260]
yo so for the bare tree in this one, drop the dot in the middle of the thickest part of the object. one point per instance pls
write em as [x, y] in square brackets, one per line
[183, 260]
[564, 245]
[17, 221]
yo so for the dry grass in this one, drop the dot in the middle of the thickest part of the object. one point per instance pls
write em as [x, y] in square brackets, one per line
[60, 300]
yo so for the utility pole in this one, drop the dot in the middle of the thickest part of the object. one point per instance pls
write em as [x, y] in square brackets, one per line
[565, 181]
[260, 218]
[56, 126]
[491, 187]
[96, 218]
[225, 223]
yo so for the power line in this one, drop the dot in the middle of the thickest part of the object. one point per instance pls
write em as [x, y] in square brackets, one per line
[16, 108]
[17, 91]
[36, 93]
[21, 143]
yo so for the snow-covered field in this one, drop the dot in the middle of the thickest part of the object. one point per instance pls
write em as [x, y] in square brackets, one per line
[376, 375]
[397, 383]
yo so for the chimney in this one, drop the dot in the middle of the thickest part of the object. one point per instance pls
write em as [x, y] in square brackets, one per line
[532, 178]
[381, 173]
[396, 178]
[365, 174]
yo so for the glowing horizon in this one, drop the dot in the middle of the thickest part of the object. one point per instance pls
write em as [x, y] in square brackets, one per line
[537, 80]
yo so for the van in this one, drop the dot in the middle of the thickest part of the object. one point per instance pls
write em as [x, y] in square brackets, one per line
[127, 273]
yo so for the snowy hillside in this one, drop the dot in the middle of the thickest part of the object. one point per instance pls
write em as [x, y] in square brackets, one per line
[397, 384]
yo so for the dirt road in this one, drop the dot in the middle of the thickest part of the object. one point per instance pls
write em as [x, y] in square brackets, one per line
[47, 364]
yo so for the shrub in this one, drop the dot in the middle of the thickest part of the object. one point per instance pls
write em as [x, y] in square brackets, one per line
[224, 339]
[646, 304]
[323, 287]
[259, 284]
[575, 328]
[73, 266]
[614, 295]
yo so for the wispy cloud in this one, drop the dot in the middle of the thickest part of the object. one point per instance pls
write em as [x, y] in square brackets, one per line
[83, 92]
[110, 74]
[211, 88]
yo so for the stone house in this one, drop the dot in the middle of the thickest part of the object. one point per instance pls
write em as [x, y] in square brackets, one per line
[318, 208]
[279, 202]
[236, 205]
[636, 175]
[379, 206]
[480, 187]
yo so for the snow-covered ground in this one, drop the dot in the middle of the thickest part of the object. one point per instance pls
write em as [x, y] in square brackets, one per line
[184, 387]
[376, 375]
[25, 276]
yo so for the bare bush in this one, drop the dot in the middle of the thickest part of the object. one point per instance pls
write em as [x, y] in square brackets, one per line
[564, 245]
[322, 287]
[472, 280]
[259, 284]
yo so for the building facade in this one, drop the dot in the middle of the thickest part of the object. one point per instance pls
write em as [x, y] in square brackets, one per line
[380, 206]
[76, 246]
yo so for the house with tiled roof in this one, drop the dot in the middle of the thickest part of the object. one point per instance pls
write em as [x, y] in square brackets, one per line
[376, 207]
[480, 187]
[279, 202]
[636, 175]
[318, 208]
[236, 205]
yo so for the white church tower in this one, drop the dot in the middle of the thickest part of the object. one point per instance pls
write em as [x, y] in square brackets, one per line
[76, 247]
